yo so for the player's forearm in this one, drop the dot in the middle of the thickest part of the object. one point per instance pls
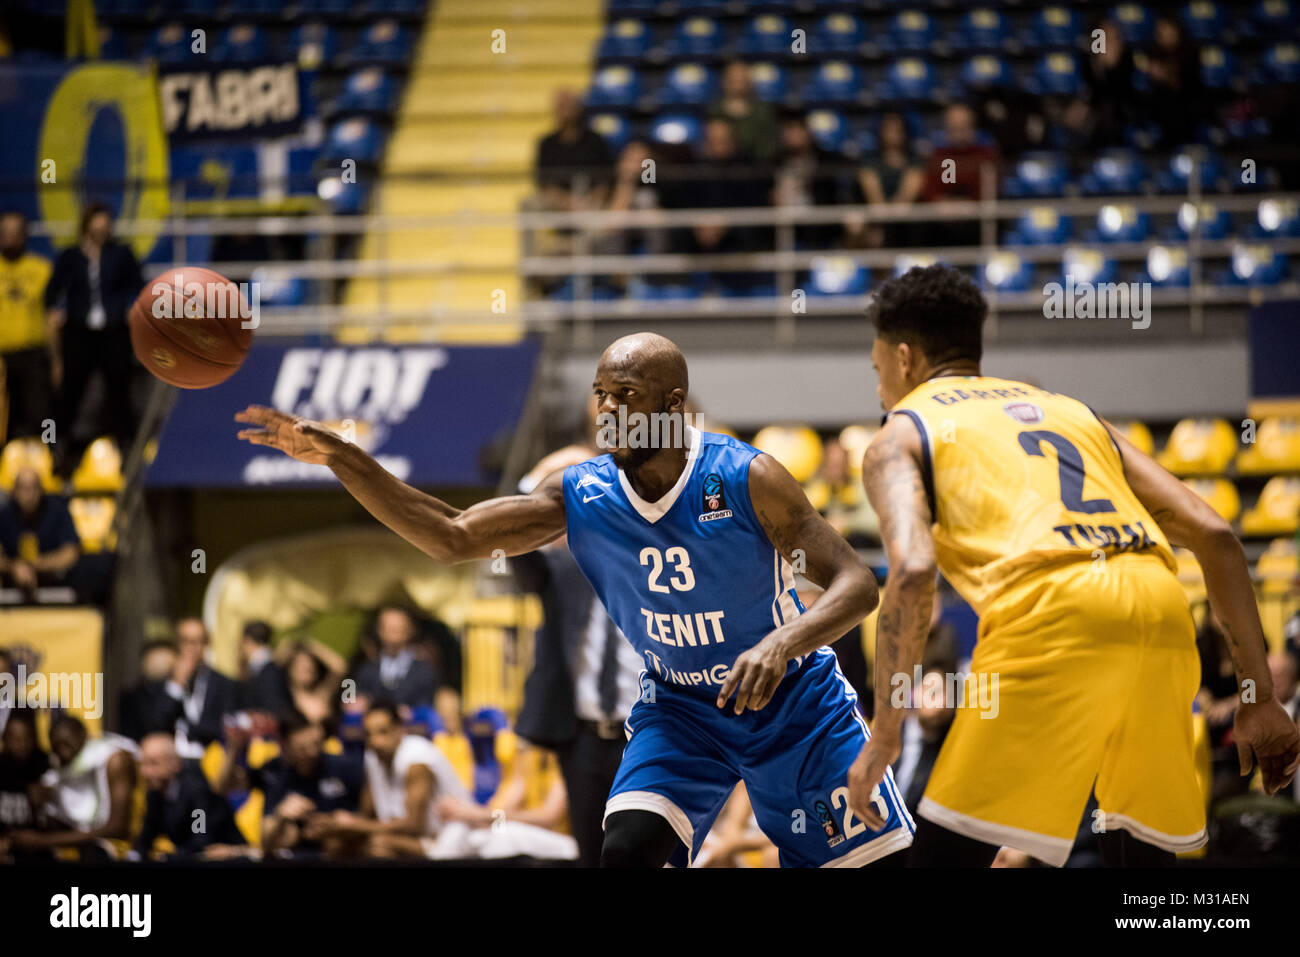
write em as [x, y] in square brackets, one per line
[1232, 596]
[849, 597]
[901, 631]
[421, 519]
[57, 561]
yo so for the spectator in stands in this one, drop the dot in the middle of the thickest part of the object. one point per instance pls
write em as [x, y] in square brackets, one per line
[1176, 101]
[194, 700]
[735, 835]
[1217, 699]
[892, 175]
[262, 683]
[807, 175]
[86, 796]
[157, 659]
[398, 674]
[728, 179]
[90, 291]
[956, 171]
[752, 122]
[22, 764]
[313, 672]
[176, 790]
[24, 335]
[304, 783]
[38, 541]
[1098, 118]
[837, 493]
[573, 162]
[404, 775]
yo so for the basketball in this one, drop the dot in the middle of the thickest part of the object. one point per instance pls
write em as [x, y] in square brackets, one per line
[191, 327]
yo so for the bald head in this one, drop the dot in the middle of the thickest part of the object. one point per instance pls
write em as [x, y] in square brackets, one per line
[652, 357]
[642, 375]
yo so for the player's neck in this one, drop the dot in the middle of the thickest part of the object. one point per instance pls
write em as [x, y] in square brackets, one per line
[960, 367]
[654, 477]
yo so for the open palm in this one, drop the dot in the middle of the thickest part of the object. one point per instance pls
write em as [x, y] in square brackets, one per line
[293, 435]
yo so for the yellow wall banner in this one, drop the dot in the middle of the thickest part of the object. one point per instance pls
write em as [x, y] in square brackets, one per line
[58, 655]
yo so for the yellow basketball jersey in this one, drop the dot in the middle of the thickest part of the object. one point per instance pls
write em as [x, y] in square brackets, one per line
[1022, 482]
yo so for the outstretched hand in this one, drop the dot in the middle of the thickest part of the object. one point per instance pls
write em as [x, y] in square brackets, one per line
[293, 435]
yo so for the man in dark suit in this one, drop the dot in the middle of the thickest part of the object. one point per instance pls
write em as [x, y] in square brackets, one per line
[262, 685]
[193, 701]
[176, 790]
[399, 674]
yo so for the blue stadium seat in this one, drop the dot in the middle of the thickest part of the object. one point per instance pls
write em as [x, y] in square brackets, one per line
[1085, 264]
[905, 261]
[700, 6]
[907, 79]
[1281, 63]
[1276, 219]
[1120, 223]
[771, 84]
[280, 291]
[314, 44]
[1254, 264]
[1218, 67]
[254, 9]
[613, 128]
[909, 30]
[625, 39]
[829, 128]
[367, 91]
[1204, 165]
[194, 9]
[1056, 74]
[1272, 18]
[837, 33]
[170, 44]
[385, 43]
[242, 43]
[124, 9]
[697, 37]
[1035, 175]
[676, 129]
[688, 84]
[1203, 20]
[1114, 172]
[987, 71]
[353, 138]
[615, 86]
[837, 276]
[1040, 226]
[391, 8]
[1136, 22]
[631, 7]
[1207, 218]
[1053, 28]
[113, 43]
[835, 81]
[766, 35]
[1006, 272]
[328, 9]
[1167, 267]
[983, 29]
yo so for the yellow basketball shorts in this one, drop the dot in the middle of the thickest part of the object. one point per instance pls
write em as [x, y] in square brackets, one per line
[1087, 678]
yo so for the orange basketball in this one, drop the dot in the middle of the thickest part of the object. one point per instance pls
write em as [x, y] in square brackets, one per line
[191, 327]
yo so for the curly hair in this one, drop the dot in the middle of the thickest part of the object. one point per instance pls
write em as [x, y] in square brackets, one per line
[937, 309]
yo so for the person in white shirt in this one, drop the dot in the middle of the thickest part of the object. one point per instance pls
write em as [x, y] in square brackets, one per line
[406, 776]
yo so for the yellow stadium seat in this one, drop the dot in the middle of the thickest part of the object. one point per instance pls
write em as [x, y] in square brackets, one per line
[1138, 434]
[797, 447]
[100, 469]
[855, 439]
[249, 817]
[1279, 566]
[1199, 447]
[1220, 494]
[819, 493]
[27, 454]
[1276, 511]
[1190, 575]
[1276, 448]
[93, 518]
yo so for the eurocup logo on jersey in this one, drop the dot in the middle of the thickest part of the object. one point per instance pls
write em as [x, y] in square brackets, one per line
[829, 825]
[714, 499]
[1026, 413]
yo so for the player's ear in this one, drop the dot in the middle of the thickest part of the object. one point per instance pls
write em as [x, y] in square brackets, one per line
[677, 400]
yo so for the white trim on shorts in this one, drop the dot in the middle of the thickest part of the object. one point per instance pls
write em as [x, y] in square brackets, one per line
[1050, 850]
[874, 849]
[656, 804]
[1166, 842]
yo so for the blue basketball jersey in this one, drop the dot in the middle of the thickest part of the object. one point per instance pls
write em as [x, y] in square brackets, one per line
[692, 579]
